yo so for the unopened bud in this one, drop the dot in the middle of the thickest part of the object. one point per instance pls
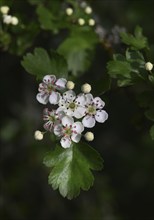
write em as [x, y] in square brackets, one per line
[70, 85]
[4, 9]
[88, 10]
[81, 21]
[14, 21]
[91, 22]
[38, 135]
[69, 11]
[86, 88]
[7, 19]
[89, 136]
[148, 66]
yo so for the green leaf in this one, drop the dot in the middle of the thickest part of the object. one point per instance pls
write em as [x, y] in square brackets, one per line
[46, 18]
[152, 132]
[71, 168]
[138, 41]
[135, 56]
[116, 68]
[78, 49]
[40, 64]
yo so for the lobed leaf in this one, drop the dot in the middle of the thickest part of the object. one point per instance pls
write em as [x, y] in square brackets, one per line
[71, 168]
[40, 64]
[137, 42]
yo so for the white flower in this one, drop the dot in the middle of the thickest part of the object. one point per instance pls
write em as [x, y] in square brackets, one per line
[72, 106]
[69, 11]
[91, 22]
[14, 20]
[94, 111]
[69, 131]
[7, 19]
[47, 89]
[81, 21]
[88, 10]
[70, 85]
[52, 118]
[38, 135]
[4, 9]
[148, 66]
[89, 136]
[86, 88]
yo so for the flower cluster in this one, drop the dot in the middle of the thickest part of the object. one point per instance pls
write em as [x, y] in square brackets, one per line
[85, 18]
[70, 113]
[8, 19]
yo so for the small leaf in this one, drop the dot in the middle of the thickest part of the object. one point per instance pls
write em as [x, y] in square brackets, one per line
[152, 132]
[40, 64]
[117, 67]
[138, 41]
[46, 18]
[135, 56]
[71, 168]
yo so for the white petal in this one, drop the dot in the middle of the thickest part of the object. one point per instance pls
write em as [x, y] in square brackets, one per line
[99, 102]
[67, 121]
[54, 98]
[76, 137]
[69, 95]
[81, 99]
[61, 83]
[69, 112]
[88, 121]
[58, 130]
[42, 87]
[101, 116]
[49, 79]
[79, 112]
[65, 142]
[42, 98]
[89, 98]
[78, 127]
[60, 113]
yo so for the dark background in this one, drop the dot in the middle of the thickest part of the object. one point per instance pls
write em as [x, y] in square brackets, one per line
[124, 189]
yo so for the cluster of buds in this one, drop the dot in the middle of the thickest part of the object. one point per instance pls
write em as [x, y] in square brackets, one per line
[87, 10]
[70, 113]
[8, 19]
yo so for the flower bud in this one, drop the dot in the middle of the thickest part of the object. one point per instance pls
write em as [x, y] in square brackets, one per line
[70, 85]
[14, 21]
[7, 19]
[81, 21]
[91, 22]
[86, 88]
[69, 11]
[89, 136]
[148, 66]
[38, 135]
[4, 9]
[88, 10]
